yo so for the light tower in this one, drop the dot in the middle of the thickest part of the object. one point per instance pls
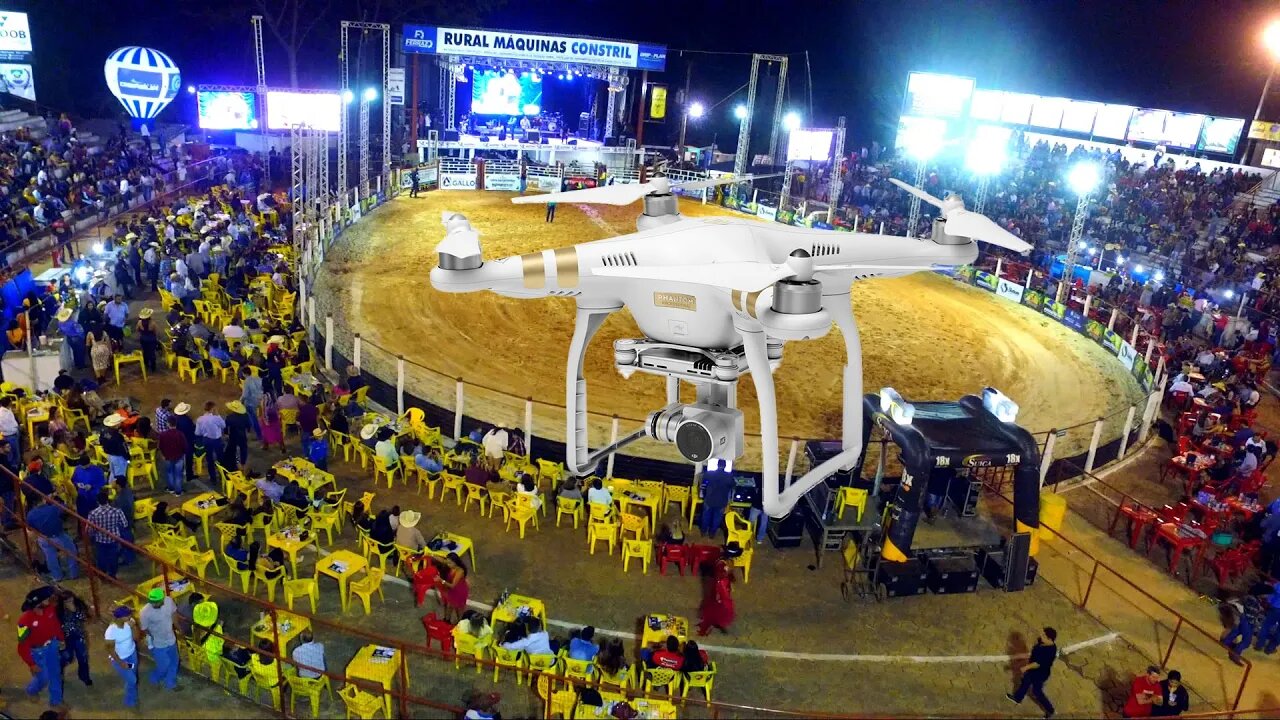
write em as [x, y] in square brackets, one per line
[1083, 179]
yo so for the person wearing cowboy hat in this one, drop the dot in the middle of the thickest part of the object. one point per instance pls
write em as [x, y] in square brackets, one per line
[317, 450]
[114, 445]
[238, 427]
[74, 334]
[407, 534]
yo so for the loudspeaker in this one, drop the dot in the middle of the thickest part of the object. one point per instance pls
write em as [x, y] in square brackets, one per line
[1017, 555]
[533, 136]
[450, 136]
[902, 578]
[950, 575]
[788, 531]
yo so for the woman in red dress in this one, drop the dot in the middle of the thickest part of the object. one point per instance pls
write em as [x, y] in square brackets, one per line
[717, 596]
[453, 588]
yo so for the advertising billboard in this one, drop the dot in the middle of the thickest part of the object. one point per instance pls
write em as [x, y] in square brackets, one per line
[18, 80]
[15, 38]
[226, 110]
[1264, 130]
[1182, 129]
[1113, 121]
[809, 144]
[933, 95]
[1220, 135]
[1017, 108]
[285, 110]
[1147, 125]
[1078, 116]
[986, 105]
[1047, 112]
[538, 47]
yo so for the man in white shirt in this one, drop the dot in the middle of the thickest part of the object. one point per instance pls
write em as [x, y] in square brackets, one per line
[599, 494]
[537, 642]
[10, 429]
[495, 443]
[233, 332]
[1181, 386]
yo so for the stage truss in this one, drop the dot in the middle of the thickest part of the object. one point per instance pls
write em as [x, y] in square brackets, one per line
[344, 131]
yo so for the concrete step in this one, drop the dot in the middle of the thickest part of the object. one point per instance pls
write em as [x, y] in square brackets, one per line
[11, 115]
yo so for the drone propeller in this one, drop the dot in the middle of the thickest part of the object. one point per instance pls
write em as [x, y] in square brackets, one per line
[966, 223]
[627, 193]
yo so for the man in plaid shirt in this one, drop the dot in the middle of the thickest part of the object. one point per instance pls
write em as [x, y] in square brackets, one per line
[164, 416]
[107, 524]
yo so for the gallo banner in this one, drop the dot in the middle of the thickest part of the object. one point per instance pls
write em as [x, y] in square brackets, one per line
[1009, 290]
[1055, 310]
[1112, 341]
[395, 86]
[1126, 354]
[1264, 130]
[533, 46]
[1095, 330]
[984, 279]
[457, 181]
[508, 183]
[1033, 299]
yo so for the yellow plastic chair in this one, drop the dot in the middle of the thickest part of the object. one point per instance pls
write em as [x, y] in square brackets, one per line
[380, 471]
[365, 587]
[227, 532]
[621, 681]
[231, 676]
[640, 549]
[302, 587]
[662, 679]
[562, 703]
[678, 494]
[738, 529]
[189, 368]
[222, 371]
[584, 670]
[521, 511]
[500, 500]
[234, 571]
[637, 524]
[851, 497]
[326, 520]
[513, 659]
[141, 470]
[344, 442]
[606, 530]
[700, 679]
[127, 358]
[309, 688]
[361, 704]
[540, 665]
[266, 677]
[475, 493]
[198, 561]
[571, 507]
[193, 655]
[743, 562]
[428, 480]
[552, 472]
[271, 581]
[288, 418]
[469, 645]
[452, 483]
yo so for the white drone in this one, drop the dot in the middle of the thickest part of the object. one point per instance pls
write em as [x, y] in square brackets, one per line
[715, 298]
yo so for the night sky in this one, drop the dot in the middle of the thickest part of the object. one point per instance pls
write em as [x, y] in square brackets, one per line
[1186, 55]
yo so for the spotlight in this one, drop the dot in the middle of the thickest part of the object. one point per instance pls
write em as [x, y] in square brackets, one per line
[791, 120]
[370, 94]
[1228, 294]
[348, 96]
[1084, 178]
[740, 112]
[1137, 268]
[696, 110]
[191, 89]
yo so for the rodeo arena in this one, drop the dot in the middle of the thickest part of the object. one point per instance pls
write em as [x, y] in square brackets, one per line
[276, 381]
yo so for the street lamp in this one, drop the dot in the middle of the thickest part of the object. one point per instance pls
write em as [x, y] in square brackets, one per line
[1083, 179]
[1271, 41]
[693, 110]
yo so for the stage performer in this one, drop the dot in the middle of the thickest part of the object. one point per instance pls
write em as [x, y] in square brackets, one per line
[717, 596]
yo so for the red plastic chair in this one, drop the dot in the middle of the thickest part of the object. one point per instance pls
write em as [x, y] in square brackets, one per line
[700, 555]
[675, 554]
[439, 630]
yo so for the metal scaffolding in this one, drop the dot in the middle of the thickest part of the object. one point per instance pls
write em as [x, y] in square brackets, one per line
[742, 156]
[777, 103]
[344, 132]
[364, 146]
[261, 88]
[298, 184]
[837, 178]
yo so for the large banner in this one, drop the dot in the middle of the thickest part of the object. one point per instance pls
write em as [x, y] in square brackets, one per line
[533, 46]
[1127, 354]
[457, 181]
[395, 86]
[985, 280]
[18, 80]
[509, 183]
[1009, 290]
[544, 183]
[15, 38]
[426, 176]
[766, 212]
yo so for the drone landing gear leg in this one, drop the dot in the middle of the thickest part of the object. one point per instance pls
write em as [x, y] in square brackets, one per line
[586, 323]
[754, 343]
[673, 389]
[841, 311]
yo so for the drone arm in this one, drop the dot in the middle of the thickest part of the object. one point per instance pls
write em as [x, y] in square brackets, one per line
[586, 322]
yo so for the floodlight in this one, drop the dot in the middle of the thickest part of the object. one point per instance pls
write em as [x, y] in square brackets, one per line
[924, 141]
[696, 109]
[1083, 178]
[370, 94]
[1119, 260]
[1271, 39]
[1093, 251]
[1159, 275]
[791, 121]
[348, 96]
[191, 89]
[1137, 268]
[1228, 294]
[987, 150]
[96, 248]
[740, 112]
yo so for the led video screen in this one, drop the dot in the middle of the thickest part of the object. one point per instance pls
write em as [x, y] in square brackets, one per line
[1220, 135]
[809, 144]
[1147, 126]
[986, 105]
[1182, 129]
[285, 110]
[226, 110]
[1113, 121]
[1017, 108]
[1078, 116]
[495, 92]
[935, 95]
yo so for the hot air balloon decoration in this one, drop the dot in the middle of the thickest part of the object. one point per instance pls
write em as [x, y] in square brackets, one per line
[143, 80]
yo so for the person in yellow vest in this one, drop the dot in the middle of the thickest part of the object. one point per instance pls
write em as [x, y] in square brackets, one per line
[208, 631]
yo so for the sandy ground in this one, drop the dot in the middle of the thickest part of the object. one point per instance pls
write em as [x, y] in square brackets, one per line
[926, 335]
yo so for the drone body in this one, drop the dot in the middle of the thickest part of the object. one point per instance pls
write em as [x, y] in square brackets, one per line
[716, 298]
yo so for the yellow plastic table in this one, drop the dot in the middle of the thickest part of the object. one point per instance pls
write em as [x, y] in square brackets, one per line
[377, 664]
[204, 506]
[644, 707]
[308, 475]
[665, 625]
[353, 564]
[642, 497]
[176, 589]
[289, 625]
[36, 413]
[290, 541]
[465, 547]
[508, 611]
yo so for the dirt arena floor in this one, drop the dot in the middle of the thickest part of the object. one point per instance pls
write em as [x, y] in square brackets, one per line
[926, 335]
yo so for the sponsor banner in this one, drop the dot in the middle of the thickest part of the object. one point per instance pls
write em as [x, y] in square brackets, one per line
[457, 181]
[1055, 310]
[1095, 329]
[766, 212]
[1127, 354]
[731, 202]
[785, 216]
[984, 279]
[18, 80]
[355, 212]
[965, 274]
[822, 225]
[426, 176]
[657, 102]
[1073, 320]
[508, 183]
[1010, 290]
[533, 46]
[544, 183]
[1112, 341]
[1264, 130]
[1033, 299]
[15, 38]
[395, 86]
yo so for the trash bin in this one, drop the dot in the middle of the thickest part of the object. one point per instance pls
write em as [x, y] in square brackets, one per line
[1053, 509]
